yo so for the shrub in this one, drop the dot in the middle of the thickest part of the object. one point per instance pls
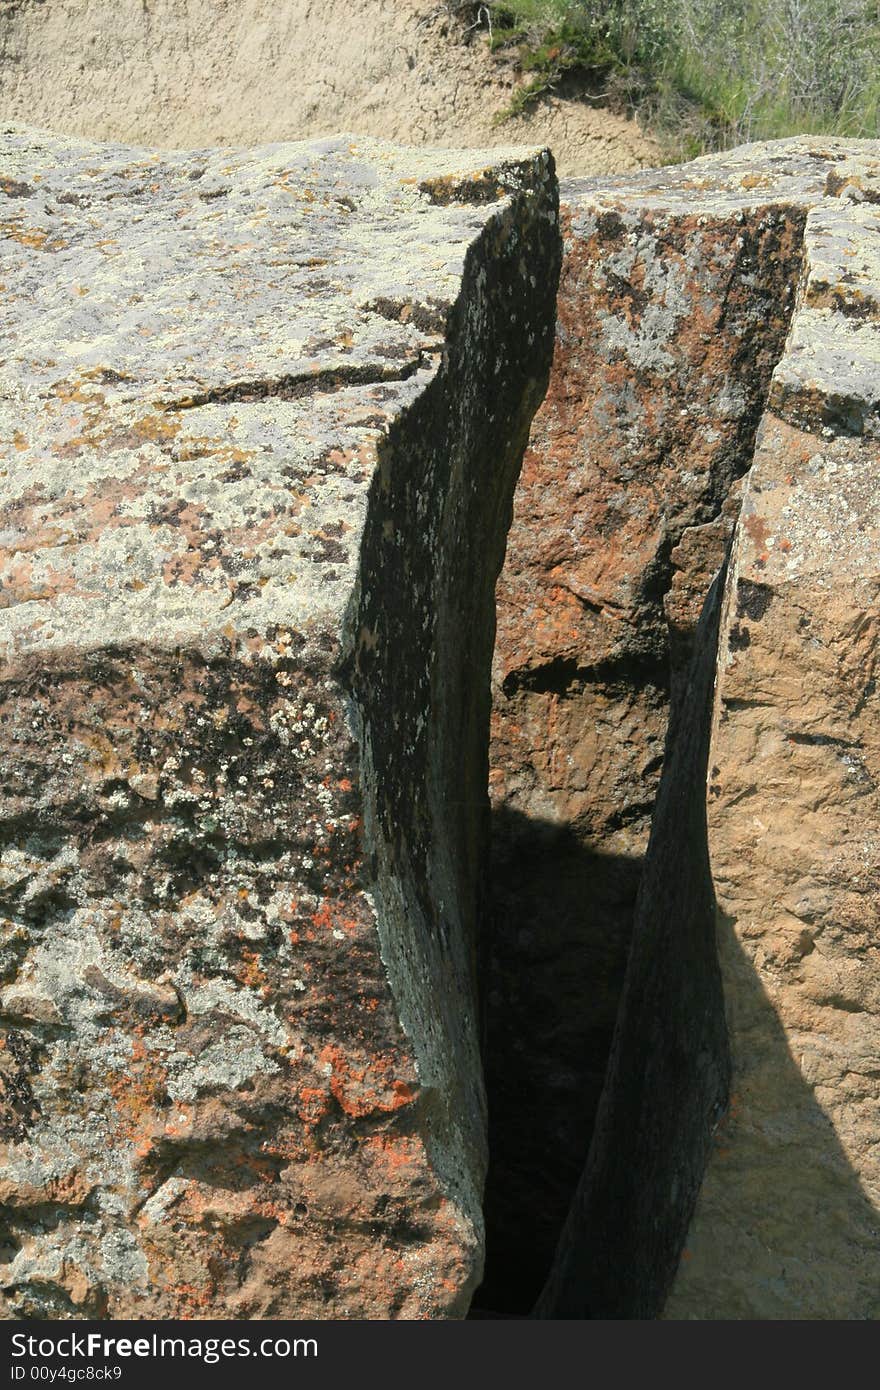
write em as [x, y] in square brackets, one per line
[703, 73]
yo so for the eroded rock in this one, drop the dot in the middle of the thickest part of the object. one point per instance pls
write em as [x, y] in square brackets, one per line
[787, 1221]
[676, 296]
[261, 418]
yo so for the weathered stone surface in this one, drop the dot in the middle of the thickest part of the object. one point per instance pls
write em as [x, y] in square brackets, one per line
[676, 294]
[787, 1223]
[261, 417]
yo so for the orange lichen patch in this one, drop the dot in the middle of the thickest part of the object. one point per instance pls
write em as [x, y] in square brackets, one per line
[363, 1087]
[314, 1102]
[138, 1095]
[335, 916]
[34, 239]
[208, 446]
[83, 389]
[557, 624]
[193, 1302]
[156, 428]
[103, 749]
[399, 1154]
[251, 973]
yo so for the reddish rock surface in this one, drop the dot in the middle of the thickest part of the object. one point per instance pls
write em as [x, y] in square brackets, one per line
[787, 1221]
[675, 297]
[732, 1170]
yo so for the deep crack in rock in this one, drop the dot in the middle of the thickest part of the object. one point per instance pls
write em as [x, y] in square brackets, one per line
[262, 415]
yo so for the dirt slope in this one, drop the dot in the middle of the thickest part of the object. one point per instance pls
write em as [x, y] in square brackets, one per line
[196, 72]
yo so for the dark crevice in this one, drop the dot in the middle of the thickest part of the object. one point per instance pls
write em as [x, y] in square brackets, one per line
[667, 1080]
[552, 898]
[631, 670]
[297, 387]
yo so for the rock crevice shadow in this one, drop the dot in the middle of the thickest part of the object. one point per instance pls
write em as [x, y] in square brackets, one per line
[555, 952]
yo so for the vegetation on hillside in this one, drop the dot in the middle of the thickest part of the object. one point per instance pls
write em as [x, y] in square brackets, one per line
[704, 74]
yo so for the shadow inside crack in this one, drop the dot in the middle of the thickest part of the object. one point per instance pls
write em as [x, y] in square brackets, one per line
[609, 1070]
[783, 1228]
[555, 948]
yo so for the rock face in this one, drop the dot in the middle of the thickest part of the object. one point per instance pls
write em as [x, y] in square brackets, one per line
[676, 296]
[261, 419]
[669, 1070]
[787, 1223]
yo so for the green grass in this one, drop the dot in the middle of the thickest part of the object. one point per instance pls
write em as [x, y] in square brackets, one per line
[703, 74]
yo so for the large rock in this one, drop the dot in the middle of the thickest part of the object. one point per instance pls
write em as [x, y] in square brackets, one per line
[787, 1222]
[261, 419]
[676, 296]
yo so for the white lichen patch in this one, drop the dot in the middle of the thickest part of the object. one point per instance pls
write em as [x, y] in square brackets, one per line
[222, 1066]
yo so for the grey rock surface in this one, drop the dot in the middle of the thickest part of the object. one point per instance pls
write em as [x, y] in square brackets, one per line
[261, 415]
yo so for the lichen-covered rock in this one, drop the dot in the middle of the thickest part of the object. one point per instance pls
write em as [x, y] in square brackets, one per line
[260, 416]
[676, 293]
[787, 1222]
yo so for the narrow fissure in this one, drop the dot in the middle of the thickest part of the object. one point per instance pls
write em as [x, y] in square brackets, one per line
[299, 386]
[568, 860]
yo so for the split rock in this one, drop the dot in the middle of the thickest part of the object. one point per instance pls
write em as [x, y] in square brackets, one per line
[262, 414]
